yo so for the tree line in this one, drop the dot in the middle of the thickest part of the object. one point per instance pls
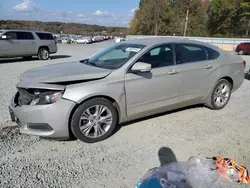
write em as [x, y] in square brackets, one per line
[218, 18]
[66, 28]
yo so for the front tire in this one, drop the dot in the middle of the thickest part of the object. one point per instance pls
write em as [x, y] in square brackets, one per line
[220, 95]
[43, 54]
[95, 120]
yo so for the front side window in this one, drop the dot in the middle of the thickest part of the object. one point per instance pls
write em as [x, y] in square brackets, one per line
[115, 56]
[159, 56]
[189, 53]
[11, 35]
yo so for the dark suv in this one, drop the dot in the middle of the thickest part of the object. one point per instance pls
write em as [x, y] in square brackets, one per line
[243, 48]
[23, 43]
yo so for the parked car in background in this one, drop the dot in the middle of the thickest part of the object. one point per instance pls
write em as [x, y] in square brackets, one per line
[83, 40]
[126, 81]
[63, 39]
[119, 39]
[24, 43]
[243, 48]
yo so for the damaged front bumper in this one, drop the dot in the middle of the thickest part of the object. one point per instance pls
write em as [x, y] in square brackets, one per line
[50, 120]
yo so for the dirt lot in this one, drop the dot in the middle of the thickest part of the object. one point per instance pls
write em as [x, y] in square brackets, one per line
[28, 161]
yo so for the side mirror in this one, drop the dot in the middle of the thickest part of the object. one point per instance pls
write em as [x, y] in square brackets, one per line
[141, 67]
[4, 37]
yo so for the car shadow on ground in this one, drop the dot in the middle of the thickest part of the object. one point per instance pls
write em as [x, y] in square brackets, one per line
[16, 60]
[247, 76]
[157, 115]
[59, 56]
[162, 151]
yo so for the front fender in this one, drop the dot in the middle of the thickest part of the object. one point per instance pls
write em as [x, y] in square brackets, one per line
[82, 92]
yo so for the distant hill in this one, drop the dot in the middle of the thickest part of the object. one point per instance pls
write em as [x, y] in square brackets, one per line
[66, 28]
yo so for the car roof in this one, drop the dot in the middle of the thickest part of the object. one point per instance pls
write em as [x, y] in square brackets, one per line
[23, 30]
[160, 40]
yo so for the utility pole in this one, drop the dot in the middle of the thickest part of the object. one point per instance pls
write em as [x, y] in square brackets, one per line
[186, 23]
[187, 17]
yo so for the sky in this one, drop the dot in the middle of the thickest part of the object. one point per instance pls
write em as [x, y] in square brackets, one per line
[100, 12]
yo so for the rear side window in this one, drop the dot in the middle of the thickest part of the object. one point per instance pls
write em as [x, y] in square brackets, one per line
[189, 53]
[45, 36]
[212, 54]
[24, 36]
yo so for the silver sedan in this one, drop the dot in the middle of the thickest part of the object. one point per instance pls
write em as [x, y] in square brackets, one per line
[129, 80]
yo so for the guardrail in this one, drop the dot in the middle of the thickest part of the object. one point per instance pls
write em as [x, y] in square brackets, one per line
[228, 44]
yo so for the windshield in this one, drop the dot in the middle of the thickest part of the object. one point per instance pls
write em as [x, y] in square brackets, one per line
[1, 32]
[115, 56]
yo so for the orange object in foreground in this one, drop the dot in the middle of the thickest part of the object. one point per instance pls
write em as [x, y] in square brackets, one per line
[228, 169]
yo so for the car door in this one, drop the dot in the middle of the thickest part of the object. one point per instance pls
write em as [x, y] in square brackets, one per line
[152, 91]
[26, 42]
[198, 72]
[9, 46]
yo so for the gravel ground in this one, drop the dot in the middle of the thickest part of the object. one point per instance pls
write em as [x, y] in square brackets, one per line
[120, 161]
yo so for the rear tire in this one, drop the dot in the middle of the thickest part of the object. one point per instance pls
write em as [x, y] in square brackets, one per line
[95, 120]
[220, 95]
[241, 52]
[43, 54]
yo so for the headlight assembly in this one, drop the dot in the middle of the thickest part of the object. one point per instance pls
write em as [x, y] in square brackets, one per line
[49, 97]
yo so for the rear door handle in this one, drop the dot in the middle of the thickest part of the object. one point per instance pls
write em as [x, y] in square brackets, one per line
[172, 72]
[209, 67]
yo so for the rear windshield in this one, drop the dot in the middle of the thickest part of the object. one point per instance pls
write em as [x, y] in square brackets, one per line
[45, 36]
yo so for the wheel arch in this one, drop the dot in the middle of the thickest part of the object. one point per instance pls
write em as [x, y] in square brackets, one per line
[43, 47]
[112, 100]
[228, 79]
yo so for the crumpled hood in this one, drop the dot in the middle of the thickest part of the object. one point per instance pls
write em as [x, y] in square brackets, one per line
[64, 72]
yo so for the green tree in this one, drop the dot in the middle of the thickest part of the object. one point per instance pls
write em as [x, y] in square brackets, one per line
[142, 2]
[57, 27]
[245, 15]
[196, 24]
[225, 17]
[151, 18]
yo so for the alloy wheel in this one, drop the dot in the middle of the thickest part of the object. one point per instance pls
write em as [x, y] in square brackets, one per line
[45, 54]
[221, 94]
[95, 121]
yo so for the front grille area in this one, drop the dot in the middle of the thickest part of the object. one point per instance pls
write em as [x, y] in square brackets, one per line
[23, 97]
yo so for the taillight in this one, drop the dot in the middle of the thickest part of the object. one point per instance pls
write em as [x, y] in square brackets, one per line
[244, 64]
